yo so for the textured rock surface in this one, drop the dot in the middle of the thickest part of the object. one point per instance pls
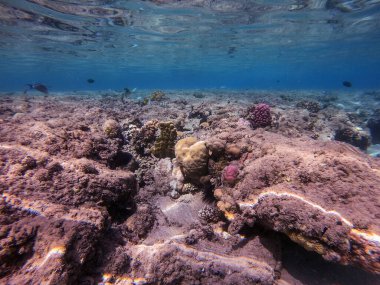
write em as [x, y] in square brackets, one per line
[81, 206]
[42, 242]
[324, 196]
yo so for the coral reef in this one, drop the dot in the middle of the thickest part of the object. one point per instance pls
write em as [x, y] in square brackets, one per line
[200, 112]
[43, 241]
[230, 173]
[311, 106]
[144, 138]
[209, 214]
[91, 193]
[164, 144]
[139, 224]
[306, 191]
[157, 96]
[259, 116]
[192, 156]
[353, 137]
[111, 128]
[374, 126]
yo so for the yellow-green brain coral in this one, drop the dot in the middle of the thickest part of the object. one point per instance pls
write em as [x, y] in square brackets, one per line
[192, 156]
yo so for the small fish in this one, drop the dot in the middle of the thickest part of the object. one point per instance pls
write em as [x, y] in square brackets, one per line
[37, 86]
[347, 83]
[90, 80]
[231, 50]
[126, 93]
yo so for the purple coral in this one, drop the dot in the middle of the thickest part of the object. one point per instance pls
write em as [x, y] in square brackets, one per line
[259, 116]
[230, 173]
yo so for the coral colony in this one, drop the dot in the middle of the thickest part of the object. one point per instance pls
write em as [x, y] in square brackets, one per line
[259, 116]
[230, 173]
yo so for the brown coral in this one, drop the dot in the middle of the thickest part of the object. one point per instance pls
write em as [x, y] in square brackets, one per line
[111, 128]
[164, 144]
[157, 96]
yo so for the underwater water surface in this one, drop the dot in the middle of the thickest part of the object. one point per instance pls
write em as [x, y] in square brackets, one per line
[240, 44]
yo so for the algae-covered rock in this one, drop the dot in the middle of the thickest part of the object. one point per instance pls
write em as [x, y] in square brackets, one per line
[164, 144]
[192, 156]
[306, 189]
[111, 128]
[157, 96]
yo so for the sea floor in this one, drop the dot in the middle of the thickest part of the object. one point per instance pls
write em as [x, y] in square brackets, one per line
[190, 187]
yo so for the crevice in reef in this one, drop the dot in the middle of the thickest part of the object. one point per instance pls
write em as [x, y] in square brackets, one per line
[310, 268]
[119, 212]
[208, 194]
[122, 159]
[257, 229]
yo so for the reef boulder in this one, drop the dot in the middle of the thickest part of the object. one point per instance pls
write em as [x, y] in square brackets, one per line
[307, 190]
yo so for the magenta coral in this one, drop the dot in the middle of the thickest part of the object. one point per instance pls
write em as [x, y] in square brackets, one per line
[259, 116]
[230, 173]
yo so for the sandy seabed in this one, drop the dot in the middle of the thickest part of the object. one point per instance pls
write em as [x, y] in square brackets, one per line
[181, 187]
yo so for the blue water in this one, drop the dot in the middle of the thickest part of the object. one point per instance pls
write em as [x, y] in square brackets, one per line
[189, 44]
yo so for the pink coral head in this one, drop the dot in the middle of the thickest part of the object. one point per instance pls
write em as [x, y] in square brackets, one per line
[230, 173]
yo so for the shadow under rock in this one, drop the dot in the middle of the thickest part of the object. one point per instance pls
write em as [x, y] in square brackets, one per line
[308, 268]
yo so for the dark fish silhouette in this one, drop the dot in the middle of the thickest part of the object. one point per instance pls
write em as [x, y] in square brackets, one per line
[347, 83]
[231, 50]
[37, 86]
[90, 80]
[125, 94]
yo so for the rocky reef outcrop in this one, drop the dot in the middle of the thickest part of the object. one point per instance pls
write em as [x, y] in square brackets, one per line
[98, 192]
[322, 195]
